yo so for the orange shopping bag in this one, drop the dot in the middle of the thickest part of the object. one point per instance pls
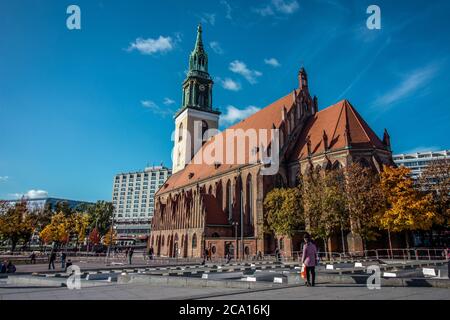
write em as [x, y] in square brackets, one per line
[303, 272]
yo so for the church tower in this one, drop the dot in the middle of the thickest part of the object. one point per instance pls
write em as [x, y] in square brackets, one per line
[196, 114]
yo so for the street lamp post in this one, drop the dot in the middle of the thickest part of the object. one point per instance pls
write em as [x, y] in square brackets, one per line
[242, 222]
[235, 224]
[111, 232]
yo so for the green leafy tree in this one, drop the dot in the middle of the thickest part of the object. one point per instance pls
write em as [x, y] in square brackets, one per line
[324, 203]
[64, 208]
[365, 201]
[100, 216]
[284, 211]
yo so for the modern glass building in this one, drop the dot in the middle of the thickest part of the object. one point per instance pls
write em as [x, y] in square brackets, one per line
[418, 161]
[133, 200]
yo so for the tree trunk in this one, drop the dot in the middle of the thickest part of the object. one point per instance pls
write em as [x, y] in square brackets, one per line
[390, 242]
[342, 239]
[364, 246]
[431, 238]
[325, 242]
[407, 239]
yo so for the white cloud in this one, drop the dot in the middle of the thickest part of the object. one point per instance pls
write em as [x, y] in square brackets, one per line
[151, 46]
[208, 18]
[264, 11]
[230, 84]
[30, 194]
[285, 7]
[272, 62]
[4, 178]
[240, 67]
[234, 114]
[216, 47]
[410, 84]
[153, 107]
[34, 194]
[278, 6]
[228, 8]
[168, 101]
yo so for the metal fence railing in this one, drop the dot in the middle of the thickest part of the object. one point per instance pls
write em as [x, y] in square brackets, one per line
[141, 257]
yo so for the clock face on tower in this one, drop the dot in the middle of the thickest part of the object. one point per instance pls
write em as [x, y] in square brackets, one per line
[202, 87]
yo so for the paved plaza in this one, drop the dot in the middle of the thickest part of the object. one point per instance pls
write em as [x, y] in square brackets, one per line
[147, 292]
[47, 285]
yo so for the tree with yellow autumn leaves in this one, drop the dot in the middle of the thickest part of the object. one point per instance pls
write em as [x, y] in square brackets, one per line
[16, 224]
[63, 228]
[407, 209]
[110, 235]
[362, 198]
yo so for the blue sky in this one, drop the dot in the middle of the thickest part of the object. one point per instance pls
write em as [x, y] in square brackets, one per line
[79, 106]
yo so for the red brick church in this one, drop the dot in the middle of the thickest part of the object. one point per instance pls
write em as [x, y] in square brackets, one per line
[220, 205]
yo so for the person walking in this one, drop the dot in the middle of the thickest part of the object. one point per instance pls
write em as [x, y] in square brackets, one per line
[259, 256]
[3, 266]
[309, 260]
[51, 262]
[63, 260]
[10, 268]
[277, 255]
[130, 255]
[68, 264]
[33, 258]
[150, 253]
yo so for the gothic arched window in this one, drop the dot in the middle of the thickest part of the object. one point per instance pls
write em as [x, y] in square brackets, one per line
[249, 200]
[204, 129]
[229, 201]
[194, 241]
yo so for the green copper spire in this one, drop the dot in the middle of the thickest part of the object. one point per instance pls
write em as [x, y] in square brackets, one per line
[197, 87]
[198, 60]
[199, 42]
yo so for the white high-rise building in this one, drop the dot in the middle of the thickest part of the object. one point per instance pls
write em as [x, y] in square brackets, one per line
[133, 200]
[418, 161]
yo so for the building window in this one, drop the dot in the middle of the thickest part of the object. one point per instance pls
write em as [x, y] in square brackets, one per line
[194, 241]
[229, 200]
[249, 200]
[204, 129]
[180, 132]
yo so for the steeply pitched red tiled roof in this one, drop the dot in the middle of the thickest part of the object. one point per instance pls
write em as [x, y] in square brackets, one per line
[334, 120]
[263, 119]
